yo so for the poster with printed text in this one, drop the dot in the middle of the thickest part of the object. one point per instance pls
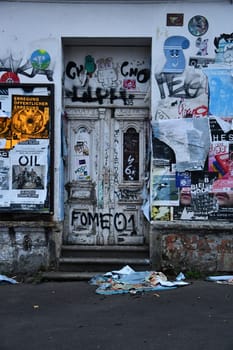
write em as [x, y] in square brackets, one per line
[26, 146]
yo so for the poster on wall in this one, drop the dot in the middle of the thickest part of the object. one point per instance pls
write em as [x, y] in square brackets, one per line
[26, 147]
[202, 194]
[192, 127]
[220, 90]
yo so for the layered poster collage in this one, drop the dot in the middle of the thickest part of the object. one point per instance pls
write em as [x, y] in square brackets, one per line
[205, 190]
[25, 115]
[192, 145]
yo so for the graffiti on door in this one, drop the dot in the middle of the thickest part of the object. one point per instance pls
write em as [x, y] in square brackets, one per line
[131, 155]
[104, 79]
[119, 221]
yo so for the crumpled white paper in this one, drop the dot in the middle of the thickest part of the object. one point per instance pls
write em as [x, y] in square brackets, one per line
[4, 278]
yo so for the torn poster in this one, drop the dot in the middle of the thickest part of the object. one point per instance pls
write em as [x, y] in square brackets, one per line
[197, 201]
[220, 83]
[163, 184]
[162, 213]
[203, 202]
[189, 138]
[182, 95]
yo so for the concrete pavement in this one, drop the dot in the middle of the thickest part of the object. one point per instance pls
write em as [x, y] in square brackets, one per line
[70, 315]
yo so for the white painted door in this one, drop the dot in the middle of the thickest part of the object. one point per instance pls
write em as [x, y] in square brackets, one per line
[105, 172]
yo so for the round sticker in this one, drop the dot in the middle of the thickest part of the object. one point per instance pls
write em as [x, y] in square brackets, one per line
[40, 59]
[9, 77]
[198, 25]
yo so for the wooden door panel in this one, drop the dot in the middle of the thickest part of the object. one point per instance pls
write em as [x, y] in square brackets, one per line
[105, 177]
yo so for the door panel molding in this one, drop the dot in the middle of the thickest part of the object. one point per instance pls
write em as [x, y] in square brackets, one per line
[105, 206]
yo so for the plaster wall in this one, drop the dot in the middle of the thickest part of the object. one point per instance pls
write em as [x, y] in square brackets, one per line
[28, 26]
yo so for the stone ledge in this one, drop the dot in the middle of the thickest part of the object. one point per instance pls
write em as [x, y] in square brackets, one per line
[41, 223]
[192, 225]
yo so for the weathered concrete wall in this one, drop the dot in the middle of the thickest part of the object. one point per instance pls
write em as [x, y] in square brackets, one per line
[27, 247]
[194, 246]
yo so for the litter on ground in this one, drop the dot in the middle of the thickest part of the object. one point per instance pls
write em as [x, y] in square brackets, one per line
[227, 279]
[4, 278]
[126, 280]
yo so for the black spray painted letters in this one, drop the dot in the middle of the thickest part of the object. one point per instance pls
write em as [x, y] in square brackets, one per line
[142, 75]
[177, 86]
[103, 220]
[99, 95]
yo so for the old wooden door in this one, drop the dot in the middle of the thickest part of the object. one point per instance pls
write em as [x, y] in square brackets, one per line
[105, 172]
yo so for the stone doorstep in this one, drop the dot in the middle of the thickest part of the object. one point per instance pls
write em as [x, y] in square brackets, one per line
[105, 248]
[84, 267]
[89, 260]
[68, 276]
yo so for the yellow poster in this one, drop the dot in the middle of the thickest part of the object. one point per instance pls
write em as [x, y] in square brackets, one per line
[30, 118]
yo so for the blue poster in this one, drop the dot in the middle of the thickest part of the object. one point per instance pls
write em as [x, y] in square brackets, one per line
[220, 83]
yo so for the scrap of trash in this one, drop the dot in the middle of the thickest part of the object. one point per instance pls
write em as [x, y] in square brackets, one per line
[5, 279]
[126, 280]
[227, 279]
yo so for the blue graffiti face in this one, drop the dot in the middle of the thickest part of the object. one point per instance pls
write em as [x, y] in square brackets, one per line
[174, 53]
[175, 61]
[174, 58]
[173, 50]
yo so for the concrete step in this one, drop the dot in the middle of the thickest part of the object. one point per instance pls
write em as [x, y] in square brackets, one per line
[105, 251]
[80, 262]
[90, 264]
[68, 276]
